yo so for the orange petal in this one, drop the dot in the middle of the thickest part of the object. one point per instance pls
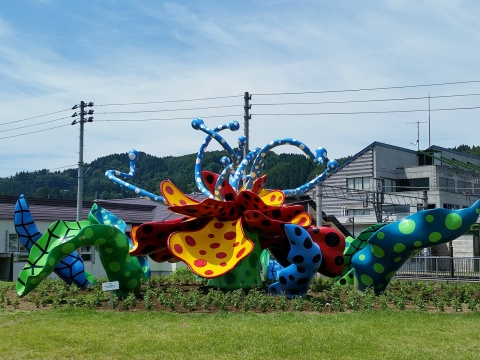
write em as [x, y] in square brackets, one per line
[174, 196]
[214, 250]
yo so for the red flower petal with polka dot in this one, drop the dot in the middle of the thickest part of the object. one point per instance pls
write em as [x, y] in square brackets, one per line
[257, 222]
[247, 200]
[209, 208]
[152, 236]
[210, 179]
[214, 250]
[332, 246]
[259, 184]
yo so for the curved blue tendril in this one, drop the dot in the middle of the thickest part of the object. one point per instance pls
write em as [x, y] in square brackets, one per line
[239, 173]
[332, 165]
[113, 175]
[220, 180]
[257, 167]
[198, 124]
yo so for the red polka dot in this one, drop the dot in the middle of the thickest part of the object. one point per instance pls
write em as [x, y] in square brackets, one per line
[230, 235]
[214, 245]
[169, 190]
[190, 241]
[208, 272]
[272, 198]
[200, 263]
[178, 248]
[218, 225]
[202, 252]
[223, 264]
[240, 253]
[183, 202]
[236, 244]
[221, 255]
[234, 223]
[211, 236]
[280, 198]
[302, 221]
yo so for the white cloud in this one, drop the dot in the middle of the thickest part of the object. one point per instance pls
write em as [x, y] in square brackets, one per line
[145, 52]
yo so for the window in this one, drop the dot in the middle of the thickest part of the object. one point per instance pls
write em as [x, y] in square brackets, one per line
[413, 184]
[359, 183]
[389, 185]
[464, 187]
[351, 212]
[14, 244]
[476, 187]
[446, 184]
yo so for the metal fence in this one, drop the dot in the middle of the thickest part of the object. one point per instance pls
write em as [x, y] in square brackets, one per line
[441, 268]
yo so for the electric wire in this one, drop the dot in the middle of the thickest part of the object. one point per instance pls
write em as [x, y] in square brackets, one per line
[170, 101]
[40, 123]
[368, 89]
[33, 117]
[33, 132]
[364, 101]
[167, 110]
[366, 112]
[166, 119]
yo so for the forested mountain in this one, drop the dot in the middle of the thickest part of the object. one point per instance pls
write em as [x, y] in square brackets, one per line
[285, 171]
[472, 150]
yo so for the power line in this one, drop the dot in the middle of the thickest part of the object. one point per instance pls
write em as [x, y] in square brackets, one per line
[33, 117]
[168, 119]
[40, 123]
[169, 110]
[369, 89]
[366, 112]
[33, 132]
[171, 101]
[365, 101]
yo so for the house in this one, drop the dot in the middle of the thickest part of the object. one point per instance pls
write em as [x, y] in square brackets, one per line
[385, 183]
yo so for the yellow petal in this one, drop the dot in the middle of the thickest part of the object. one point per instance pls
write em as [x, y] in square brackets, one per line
[214, 250]
[174, 196]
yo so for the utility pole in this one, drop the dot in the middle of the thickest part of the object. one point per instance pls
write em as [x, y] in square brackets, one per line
[247, 97]
[429, 120]
[82, 121]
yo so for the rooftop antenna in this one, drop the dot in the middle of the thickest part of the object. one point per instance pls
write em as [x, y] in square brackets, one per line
[417, 124]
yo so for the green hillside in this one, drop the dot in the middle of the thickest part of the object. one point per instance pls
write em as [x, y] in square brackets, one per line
[285, 171]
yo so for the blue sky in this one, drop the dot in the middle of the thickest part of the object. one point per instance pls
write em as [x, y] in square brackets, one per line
[294, 57]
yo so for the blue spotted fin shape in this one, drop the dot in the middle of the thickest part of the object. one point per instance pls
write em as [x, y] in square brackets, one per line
[70, 268]
[390, 246]
[305, 257]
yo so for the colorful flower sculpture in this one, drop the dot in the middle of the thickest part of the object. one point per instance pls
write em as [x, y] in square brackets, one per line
[222, 236]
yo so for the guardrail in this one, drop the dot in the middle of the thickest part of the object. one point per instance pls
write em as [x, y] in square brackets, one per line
[441, 268]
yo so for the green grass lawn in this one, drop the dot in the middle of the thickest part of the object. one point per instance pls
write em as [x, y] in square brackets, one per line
[90, 334]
